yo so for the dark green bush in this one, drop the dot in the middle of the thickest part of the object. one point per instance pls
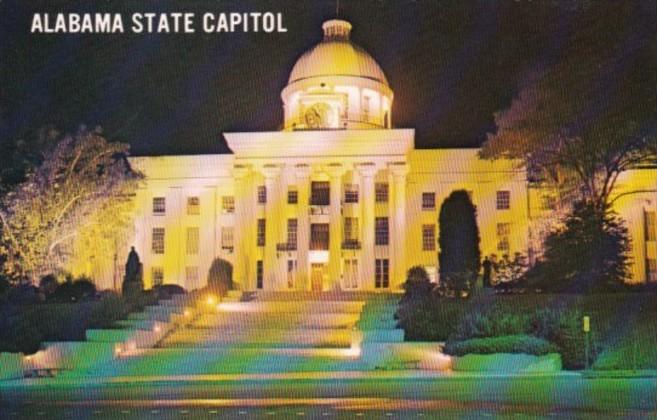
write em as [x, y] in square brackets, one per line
[220, 276]
[504, 344]
[417, 286]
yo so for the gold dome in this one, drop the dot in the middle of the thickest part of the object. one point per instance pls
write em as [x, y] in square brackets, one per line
[336, 55]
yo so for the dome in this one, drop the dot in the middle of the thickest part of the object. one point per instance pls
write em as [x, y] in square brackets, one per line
[336, 55]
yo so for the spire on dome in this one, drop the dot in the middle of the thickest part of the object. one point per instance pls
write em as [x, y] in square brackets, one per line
[336, 30]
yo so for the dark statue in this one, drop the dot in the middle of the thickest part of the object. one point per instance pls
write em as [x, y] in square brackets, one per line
[133, 283]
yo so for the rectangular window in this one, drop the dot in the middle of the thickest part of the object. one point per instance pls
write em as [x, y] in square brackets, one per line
[193, 206]
[262, 225]
[319, 237]
[157, 241]
[227, 238]
[381, 231]
[381, 276]
[292, 196]
[262, 194]
[159, 205]
[428, 201]
[351, 193]
[292, 225]
[228, 204]
[191, 277]
[157, 276]
[350, 229]
[259, 274]
[320, 193]
[428, 237]
[381, 192]
[651, 270]
[503, 200]
[650, 225]
[291, 273]
[503, 233]
[351, 273]
[192, 240]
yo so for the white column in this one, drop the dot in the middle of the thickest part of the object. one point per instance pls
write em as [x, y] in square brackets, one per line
[366, 265]
[303, 226]
[335, 171]
[272, 224]
[398, 217]
[240, 235]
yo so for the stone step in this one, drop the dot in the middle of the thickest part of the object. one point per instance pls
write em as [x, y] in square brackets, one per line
[275, 321]
[325, 296]
[306, 307]
[334, 338]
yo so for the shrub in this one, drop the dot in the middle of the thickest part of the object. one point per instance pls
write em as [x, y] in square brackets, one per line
[433, 319]
[110, 308]
[492, 324]
[220, 276]
[23, 294]
[75, 291]
[504, 344]
[48, 284]
[417, 286]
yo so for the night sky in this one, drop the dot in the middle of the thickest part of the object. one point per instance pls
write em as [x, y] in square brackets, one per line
[451, 64]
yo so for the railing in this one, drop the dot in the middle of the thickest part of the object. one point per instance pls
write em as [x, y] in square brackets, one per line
[284, 246]
[351, 244]
[316, 210]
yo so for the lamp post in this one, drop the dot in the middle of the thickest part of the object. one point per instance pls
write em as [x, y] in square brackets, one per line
[586, 327]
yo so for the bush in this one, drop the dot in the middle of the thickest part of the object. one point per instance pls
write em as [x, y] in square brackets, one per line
[433, 319]
[417, 286]
[493, 324]
[23, 294]
[220, 276]
[48, 284]
[75, 291]
[110, 308]
[504, 344]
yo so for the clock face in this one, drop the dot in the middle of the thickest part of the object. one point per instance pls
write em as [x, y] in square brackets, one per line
[317, 116]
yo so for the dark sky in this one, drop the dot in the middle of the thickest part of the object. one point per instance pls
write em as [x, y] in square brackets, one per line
[451, 64]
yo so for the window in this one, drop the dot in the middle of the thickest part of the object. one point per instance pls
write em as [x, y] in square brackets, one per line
[320, 193]
[262, 194]
[548, 202]
[192, 240]
[259, 274]
[292, 196]
[351, 273]
[157, 276]
[227, 238]
[381, 192]
[228, 204]
[650, 225]
[157, 241]
[159, 205]
[381, 277]
[503, 232]
[503, 200]
[291, 273]
[428, 201]
[428, 237]
[262, 225]
[351, 193]
[350, 229]
[193, 206]
[292, 232]
[319, 236]
[191, 277]
[366, 108]
[651, 270]
[381, 231]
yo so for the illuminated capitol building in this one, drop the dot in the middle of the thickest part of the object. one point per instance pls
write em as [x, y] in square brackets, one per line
[339, 199]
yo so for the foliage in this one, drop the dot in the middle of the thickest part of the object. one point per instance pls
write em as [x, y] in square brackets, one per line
[418, 285]
[71, 210]
[459, 256]
[588, 254]
[432, 319]
[510, 271]
[220, 276]
[75, 291]
[48, 285]
[582, 120]
[527, 344]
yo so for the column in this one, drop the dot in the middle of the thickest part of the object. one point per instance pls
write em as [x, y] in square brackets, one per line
[272, 224]
[398, 218]
[240, 236]
[335, 171]
[367, 172]
[303, 226]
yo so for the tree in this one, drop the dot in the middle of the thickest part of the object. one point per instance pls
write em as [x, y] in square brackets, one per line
[220, 276]
[459, 256]
[589, 253]
[417, 286]
[71, 209]
[583, 120]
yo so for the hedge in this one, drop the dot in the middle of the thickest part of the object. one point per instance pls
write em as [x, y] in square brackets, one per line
[525, 344]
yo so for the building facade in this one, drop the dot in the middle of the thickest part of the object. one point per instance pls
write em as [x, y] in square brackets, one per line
[338, 199]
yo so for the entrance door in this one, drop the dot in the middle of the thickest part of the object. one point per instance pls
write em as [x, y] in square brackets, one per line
[316, 277]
